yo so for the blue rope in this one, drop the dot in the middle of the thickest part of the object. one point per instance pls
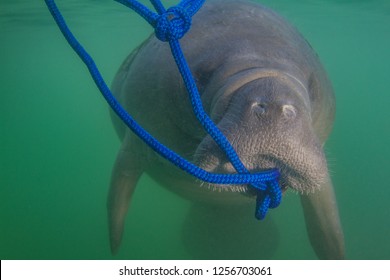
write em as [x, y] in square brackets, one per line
[171, 25]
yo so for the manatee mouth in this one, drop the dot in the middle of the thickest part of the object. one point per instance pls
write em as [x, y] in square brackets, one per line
[303, 180]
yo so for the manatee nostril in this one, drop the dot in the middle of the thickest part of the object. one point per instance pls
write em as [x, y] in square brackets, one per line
[289, 111]
[259, 108]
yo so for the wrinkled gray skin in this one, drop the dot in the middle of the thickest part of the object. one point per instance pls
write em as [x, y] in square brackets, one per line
[262, 84]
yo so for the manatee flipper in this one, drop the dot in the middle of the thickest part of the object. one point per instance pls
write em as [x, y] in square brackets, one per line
[125, 174]
[323, 223]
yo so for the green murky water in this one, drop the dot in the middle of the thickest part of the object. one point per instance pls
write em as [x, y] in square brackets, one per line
[57, 144]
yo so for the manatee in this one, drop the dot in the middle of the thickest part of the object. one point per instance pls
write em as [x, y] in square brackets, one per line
[263, 85]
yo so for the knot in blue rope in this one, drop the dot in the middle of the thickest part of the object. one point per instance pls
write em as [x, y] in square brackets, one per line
[172, 24]
[267, 198]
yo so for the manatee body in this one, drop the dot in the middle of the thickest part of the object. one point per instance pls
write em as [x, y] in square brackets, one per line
[262, 84]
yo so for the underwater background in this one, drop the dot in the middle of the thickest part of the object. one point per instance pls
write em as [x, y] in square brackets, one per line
[57, 144]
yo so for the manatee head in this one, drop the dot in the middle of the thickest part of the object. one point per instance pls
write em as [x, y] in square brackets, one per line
[268, 122]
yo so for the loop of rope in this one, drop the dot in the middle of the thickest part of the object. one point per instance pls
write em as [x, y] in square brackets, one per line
[171, 25]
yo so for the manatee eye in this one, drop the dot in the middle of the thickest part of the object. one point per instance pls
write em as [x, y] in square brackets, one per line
[289, 111]
[259, 108]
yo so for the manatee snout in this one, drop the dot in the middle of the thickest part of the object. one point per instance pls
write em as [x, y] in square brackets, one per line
[268, 122]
